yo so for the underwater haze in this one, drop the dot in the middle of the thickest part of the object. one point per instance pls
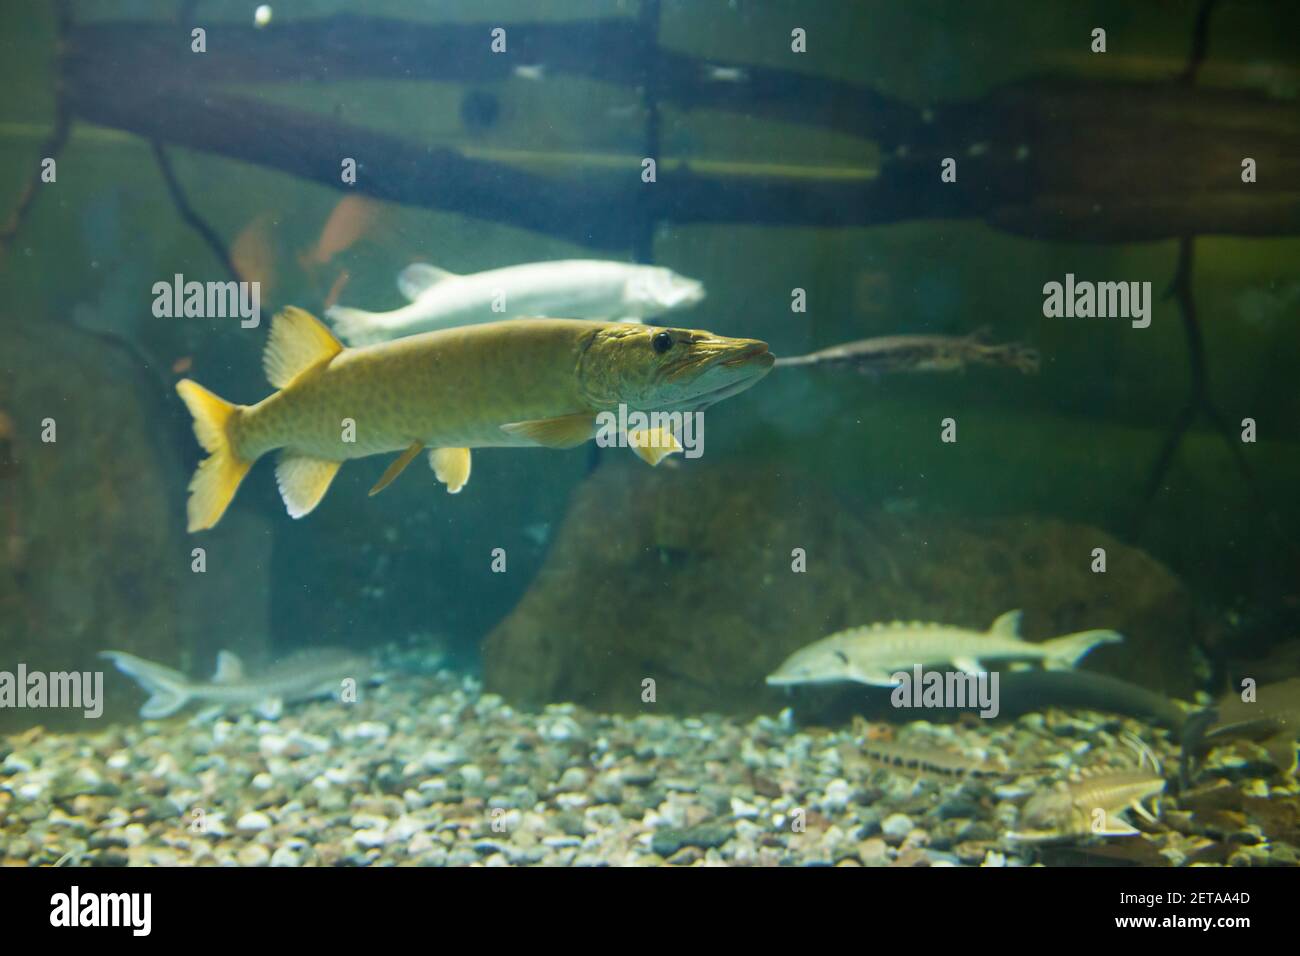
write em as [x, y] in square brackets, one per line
[649, 432]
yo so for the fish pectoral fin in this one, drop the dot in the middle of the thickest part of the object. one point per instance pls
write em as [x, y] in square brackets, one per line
[653, 445]
[1115, 826]
[297, 344]
[1142, 811]
[451, 467]
[874, 678]
[271, 708]
[230, 669]
[968, 665]
[567, 431]
[415, 279]
[397, 467]
[303, 481]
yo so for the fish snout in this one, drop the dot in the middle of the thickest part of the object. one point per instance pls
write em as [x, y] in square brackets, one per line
[748, 352]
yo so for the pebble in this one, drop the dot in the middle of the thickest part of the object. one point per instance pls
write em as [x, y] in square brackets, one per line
[896, 827]
[429, 770]
[253, 854]
[253, 822]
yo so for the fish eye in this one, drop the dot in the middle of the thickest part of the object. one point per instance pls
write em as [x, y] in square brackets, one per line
[662, 342]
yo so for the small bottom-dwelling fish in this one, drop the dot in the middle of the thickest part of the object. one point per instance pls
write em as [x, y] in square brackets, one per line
[921, 353]
[301, 676]
[1091, 805]
[873, 654]
[919, 760]
[1271, 719]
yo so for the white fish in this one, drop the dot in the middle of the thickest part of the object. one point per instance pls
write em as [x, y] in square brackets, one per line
[570, 289]
[300, 676]
[871, 655]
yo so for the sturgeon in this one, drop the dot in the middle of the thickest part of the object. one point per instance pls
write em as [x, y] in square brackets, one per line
[873, 654]
[300, 676]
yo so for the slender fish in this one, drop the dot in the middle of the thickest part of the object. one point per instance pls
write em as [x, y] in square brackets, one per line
[574, 288]
[871, 655]
[920, 353]
[518, 383]
[301, 676]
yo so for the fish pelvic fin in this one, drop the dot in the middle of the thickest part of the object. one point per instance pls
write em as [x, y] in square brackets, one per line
[298, 344]
[169, 689]
[303, 481]
[218, 476]
[451, 466]
[1063, 653]
[397, 466]
[356, 326]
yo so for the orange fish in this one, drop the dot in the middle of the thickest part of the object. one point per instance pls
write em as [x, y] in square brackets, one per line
[253, 253]
[351, 219]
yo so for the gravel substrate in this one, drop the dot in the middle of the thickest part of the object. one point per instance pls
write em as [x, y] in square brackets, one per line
[428, 770]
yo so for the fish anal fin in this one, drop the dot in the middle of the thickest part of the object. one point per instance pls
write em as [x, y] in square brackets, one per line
[653, 445]
[415, 279]
[303, 481]
[968, 665]
[1007, 625]
[397, 467]
[451, 467]
[566, 431]
[298, 343]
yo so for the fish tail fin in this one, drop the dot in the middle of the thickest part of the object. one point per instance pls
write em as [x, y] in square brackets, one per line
[1063, 653]
[218, 476]
[356, 326]
[169, 689]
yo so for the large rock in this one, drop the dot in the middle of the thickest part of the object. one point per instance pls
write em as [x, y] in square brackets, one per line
[685, 576]
[95, 554]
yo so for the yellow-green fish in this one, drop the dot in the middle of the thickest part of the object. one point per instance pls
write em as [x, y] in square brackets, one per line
[518, 383]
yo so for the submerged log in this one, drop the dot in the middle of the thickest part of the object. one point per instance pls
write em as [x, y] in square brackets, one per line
[1045, 158]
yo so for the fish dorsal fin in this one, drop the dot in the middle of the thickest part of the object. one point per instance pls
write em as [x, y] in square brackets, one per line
[298, 342]
[303, 481]
[230, 669]
[418, 277]
[1008, 625]
[567, 431]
